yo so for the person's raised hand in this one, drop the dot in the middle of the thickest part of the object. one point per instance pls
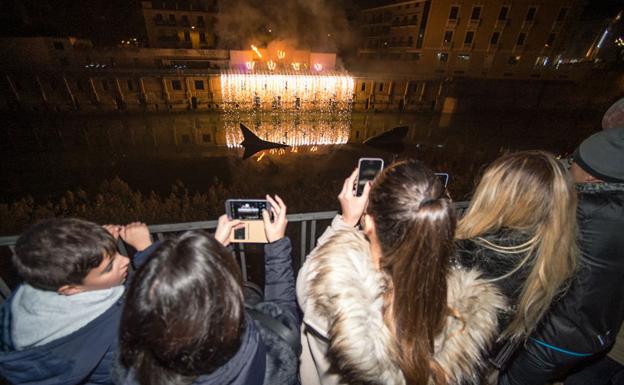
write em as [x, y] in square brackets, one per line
[353, 206]
[225, 226]
[113, 230]
[276, 229]
[137, 235]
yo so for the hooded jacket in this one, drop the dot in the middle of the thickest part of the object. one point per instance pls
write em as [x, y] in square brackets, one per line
[344, 337]
[82, 357]
[263, 357]
[586, 320]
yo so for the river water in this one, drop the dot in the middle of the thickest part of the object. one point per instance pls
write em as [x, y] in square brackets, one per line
[45, 155]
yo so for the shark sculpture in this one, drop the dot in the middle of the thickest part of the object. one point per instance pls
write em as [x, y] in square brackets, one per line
[252, 144]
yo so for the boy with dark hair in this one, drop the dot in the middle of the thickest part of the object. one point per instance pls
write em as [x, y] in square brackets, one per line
[60, 326]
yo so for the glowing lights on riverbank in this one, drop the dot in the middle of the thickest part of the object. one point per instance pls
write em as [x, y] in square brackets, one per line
[286, 91]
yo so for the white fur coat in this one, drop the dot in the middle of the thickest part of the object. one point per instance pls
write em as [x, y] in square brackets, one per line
[344, 335]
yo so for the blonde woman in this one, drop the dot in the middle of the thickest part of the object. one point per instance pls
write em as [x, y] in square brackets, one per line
[520, 231]
[383, 305]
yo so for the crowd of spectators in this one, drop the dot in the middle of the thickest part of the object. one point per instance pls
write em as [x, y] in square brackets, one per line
[524, 288]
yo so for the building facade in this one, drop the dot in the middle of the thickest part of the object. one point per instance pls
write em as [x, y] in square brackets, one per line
[181, 24]
[466, 38]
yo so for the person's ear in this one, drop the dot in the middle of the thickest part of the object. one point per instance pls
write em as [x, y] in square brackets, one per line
[69, 290]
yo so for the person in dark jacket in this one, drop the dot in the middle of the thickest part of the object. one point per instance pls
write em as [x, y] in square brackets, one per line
[585, 321]
[185, 321]
[60, 326]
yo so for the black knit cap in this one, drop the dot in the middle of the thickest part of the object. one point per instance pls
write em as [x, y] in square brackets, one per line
[602, 155]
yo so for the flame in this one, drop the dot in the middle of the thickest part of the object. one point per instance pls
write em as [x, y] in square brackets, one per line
[250, 65]
[318, 67]
[281, 54]
[296, 66]
[271, 65]
[255, 49]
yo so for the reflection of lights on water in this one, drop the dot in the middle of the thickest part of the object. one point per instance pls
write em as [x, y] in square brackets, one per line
[250, 65]
[289, 108]
[271, 65]
[295, 66]
[318, 67]
[281, 54]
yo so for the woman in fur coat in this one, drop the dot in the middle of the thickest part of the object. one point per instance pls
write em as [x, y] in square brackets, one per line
[383, 305]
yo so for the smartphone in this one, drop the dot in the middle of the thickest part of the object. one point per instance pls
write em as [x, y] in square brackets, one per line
[249, 211]
[368, 168]
[444, 177]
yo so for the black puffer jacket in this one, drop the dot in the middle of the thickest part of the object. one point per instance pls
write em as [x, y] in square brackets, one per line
[587, 319]
[475, 254]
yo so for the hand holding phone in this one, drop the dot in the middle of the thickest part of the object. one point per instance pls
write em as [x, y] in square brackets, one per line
[225, 227]
[275, 229]
[249, 212]
[352, 206]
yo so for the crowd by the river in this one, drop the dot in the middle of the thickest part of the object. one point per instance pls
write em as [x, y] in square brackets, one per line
[526, 287]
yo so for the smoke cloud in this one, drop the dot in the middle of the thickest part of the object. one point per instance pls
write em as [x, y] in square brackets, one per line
[319, 25]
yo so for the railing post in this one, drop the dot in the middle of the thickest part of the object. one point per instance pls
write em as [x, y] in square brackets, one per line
[303, 239]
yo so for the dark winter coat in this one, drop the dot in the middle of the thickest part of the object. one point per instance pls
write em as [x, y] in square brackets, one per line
[586, 320]
[82, 357]
[473, 254]
[264, 357]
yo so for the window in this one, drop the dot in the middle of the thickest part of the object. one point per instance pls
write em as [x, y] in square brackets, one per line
[443, 57]
[176, 85]
[199, 84]
[206, 138]
[59, 45]
[562, 14]
[469, 38]
[185, 20]
[550, 40]
[530, 16]
[495, 37]
[414, 19]
[513, 60]
[187, 36]
[363, 86]
[159, 18]
[172, 19]
[186, 139]
[381, 87]
[200, 21]
[448, 37]
[504, 11]
[463, 57]
[521, 38]
[202, 37]
[105, 85]
[454, 14]
[476, 13]
[410, 41]
[130, 85]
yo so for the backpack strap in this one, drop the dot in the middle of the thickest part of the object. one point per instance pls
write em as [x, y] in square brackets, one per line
[282, 331]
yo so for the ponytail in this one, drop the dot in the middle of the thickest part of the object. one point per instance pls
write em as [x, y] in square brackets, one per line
[415, 224]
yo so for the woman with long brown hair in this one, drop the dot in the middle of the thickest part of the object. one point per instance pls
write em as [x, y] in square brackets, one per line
[383, 305]
[520, 231]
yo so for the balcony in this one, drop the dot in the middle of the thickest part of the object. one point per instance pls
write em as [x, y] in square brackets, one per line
[452, 23]
[303, 230]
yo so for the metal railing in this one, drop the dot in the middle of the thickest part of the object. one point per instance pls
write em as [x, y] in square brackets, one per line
[304, 238]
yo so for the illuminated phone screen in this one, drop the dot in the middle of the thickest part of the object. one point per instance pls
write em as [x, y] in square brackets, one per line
[369, 168]
[247, 209]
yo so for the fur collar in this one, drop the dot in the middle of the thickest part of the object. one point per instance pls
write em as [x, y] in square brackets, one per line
[347, 291]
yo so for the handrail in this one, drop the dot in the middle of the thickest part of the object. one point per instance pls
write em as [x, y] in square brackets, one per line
[307, 235]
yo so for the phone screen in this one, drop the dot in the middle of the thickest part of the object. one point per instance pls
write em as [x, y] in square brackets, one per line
[247, 209]
[369, 168]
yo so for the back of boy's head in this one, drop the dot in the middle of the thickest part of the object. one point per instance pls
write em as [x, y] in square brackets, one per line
[61, 251]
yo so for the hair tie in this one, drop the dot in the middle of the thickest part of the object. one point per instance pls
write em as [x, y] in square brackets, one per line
[426, 202]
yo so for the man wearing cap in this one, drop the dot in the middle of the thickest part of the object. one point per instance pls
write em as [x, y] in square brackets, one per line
[583, 324]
